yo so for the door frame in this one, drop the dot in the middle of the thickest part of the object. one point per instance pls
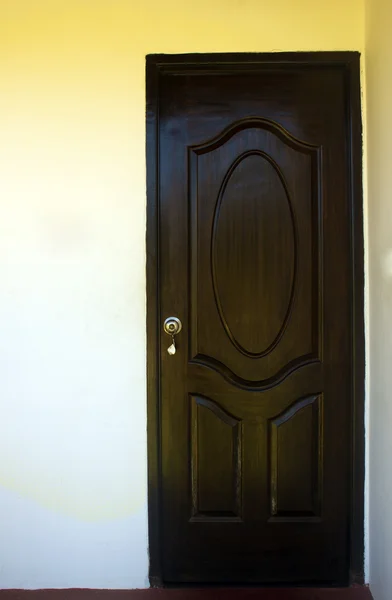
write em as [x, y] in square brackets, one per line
[349, 62]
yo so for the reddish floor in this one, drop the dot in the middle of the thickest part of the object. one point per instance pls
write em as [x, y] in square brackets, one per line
[353, 593]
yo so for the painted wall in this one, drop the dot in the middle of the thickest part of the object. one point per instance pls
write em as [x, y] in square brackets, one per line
[73, 509]
[379, 94]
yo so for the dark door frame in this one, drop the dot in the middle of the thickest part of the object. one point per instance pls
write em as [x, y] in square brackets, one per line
[193, 64]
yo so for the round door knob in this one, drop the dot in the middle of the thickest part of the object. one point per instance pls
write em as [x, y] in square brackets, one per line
[172, 326]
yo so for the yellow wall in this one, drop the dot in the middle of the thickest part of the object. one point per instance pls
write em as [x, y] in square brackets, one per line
[72, 261]
[379, 110]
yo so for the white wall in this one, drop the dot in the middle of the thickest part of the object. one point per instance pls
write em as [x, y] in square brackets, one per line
[379, 111]
[73, 509]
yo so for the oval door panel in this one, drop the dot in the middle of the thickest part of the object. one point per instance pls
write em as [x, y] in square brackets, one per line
[253, 254]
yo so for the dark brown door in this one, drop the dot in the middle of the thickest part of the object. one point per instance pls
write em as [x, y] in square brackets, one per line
[255, 260]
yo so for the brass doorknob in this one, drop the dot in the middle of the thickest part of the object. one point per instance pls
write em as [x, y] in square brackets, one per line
[172, 326]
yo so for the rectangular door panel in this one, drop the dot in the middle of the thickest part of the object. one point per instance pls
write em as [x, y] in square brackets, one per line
[216, 469]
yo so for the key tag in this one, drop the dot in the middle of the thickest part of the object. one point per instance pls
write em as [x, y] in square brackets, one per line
[172, 349]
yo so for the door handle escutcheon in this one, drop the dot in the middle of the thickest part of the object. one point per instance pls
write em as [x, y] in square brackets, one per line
[172, 326]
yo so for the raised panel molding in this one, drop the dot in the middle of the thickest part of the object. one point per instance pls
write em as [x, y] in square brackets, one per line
[232, 308]
[216, 471]
[256, 386]
[296, 461]
[243, 328]
[254, 122]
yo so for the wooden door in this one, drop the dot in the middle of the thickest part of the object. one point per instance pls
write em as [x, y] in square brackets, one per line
[255, 240]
